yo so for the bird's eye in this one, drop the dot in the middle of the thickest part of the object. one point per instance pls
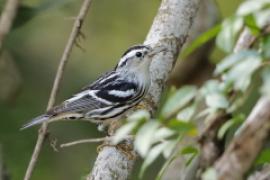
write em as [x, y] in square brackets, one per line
[138, 54]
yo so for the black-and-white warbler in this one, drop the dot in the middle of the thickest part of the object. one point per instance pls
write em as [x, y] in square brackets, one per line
[110, 95]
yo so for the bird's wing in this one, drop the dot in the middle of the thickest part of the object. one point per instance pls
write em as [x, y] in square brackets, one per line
[108, 91]
[107, 97]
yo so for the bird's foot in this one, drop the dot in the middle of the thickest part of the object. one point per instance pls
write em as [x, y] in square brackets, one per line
[100, 147]
[127, 150]
[124, 148]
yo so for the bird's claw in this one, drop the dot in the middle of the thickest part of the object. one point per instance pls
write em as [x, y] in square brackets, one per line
[126, 149]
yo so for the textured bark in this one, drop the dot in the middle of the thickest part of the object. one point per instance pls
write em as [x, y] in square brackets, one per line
[262, 174]
[196, 68]
[246, 144]
[170, 30]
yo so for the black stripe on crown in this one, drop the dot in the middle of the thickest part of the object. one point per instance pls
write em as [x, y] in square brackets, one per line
[134, 48]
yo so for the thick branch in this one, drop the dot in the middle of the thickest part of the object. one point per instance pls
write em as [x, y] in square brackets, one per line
[196, 68]
[71, 41]
[246, 144]
[169, 29]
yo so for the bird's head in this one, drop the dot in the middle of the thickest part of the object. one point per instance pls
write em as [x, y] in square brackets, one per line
[137, 58]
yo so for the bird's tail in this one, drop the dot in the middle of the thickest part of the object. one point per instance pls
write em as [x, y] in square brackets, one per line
[38, 120]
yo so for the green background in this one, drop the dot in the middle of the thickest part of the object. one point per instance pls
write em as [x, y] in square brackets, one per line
[36, 47]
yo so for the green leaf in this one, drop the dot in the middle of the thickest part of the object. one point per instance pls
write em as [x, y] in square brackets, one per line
[123, 131]
[162, 133]
[241, 73]
[265, 46]
[250, 22]
[187, 113]
[264, 157]
[134, 121]
[210, 87]
[231, 123]
[202, 39]
[177, 101]
[251, 6]
[139, 115]
[168, 162]
[227, 36]
[262, 18]
[170, 148]
[229, 61]
[209, 174]
[144, 137]
[265, 89]
[224, 128]
[213, 91]
[189, 150]
[152, 156]
[181, 126]
[217, 101]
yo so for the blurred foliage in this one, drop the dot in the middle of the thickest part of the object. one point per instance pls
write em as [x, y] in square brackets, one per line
[36, 43]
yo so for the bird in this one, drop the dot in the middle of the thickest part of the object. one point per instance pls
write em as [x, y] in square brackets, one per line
[112, 94]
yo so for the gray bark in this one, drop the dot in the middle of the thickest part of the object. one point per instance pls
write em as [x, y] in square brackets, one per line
[246, 144]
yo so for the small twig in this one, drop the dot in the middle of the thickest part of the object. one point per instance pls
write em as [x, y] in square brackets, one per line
[92, 140]
[7, 17]
[72, 38]
[83, 141]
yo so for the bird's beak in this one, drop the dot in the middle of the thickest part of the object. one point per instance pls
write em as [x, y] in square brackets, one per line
[155, 50]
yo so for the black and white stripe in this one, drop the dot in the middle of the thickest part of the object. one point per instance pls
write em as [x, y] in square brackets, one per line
[110, 95]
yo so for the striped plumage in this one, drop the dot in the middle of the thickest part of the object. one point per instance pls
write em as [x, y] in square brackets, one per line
[110, 95]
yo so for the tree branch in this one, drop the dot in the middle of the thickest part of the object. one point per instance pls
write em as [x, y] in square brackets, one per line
[262, 174]
[71, 41]
[170, 30]
[196, 68]
[246, 144]
[92, 140]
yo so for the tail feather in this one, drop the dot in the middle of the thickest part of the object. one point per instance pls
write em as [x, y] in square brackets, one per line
[38, 120]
